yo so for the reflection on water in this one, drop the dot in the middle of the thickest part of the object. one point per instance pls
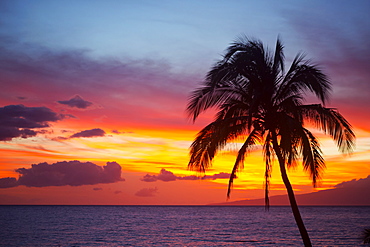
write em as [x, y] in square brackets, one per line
[178, 226]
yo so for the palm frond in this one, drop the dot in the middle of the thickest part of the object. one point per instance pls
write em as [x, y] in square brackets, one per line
[243, 45]
[251, 140]
[304, 76]
[310, 77]
[211, 139]
[283, 89]
[333, 123]
[313, 161]
[279, 58]
[208, 97]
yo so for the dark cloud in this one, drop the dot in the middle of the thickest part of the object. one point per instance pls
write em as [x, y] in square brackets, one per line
[97, 189]
[360, 183]
[147, 192]
[167, 176]
[8, 182]
[73, 173]
[89, 133]
[22, 121]
[76, 102]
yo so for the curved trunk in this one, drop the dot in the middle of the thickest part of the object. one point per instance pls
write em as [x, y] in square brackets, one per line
[293, 203]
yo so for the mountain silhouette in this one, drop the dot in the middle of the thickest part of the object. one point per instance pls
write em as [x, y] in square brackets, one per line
[350, 193]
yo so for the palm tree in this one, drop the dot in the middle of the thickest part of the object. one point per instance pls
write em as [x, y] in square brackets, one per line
[261, 104]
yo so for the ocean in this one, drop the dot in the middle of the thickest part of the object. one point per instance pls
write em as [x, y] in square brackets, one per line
[178, 226]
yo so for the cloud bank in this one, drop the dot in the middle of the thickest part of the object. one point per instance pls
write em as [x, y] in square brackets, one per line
[167, 176]
[22, 121]
[73, 173]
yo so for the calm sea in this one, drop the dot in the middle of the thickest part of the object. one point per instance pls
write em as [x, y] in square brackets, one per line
[178, 226]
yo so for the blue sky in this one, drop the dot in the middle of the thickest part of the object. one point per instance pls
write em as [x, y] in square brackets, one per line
[181, 32]
[172, 29]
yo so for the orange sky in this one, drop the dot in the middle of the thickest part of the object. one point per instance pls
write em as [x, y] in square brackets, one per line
[129, 92]
[141, 152]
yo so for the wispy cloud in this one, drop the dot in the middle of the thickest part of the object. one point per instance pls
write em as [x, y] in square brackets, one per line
[73, 173]
[343, 52]
[147, 192]
[119, 84]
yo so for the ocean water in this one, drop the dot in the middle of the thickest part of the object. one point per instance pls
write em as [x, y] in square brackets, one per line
[178, 226]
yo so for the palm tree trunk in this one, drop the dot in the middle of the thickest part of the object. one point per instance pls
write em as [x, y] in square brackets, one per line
[293, 202]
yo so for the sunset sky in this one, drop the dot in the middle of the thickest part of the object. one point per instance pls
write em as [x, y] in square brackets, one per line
[101, 87]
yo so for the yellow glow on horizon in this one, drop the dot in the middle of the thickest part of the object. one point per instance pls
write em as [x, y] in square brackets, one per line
[146, 151]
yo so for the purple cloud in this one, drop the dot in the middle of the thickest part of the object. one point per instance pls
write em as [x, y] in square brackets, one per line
[21, 121]
[76, 102]
[221, 175]
[8, 182]
[121, 132]
[73, 173]
[167, 176]
[147, 192]
[89, 133]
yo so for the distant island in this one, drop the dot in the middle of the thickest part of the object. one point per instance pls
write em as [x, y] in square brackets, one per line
[350, 193]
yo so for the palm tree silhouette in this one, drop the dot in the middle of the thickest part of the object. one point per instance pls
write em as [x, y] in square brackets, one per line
[260, 103]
